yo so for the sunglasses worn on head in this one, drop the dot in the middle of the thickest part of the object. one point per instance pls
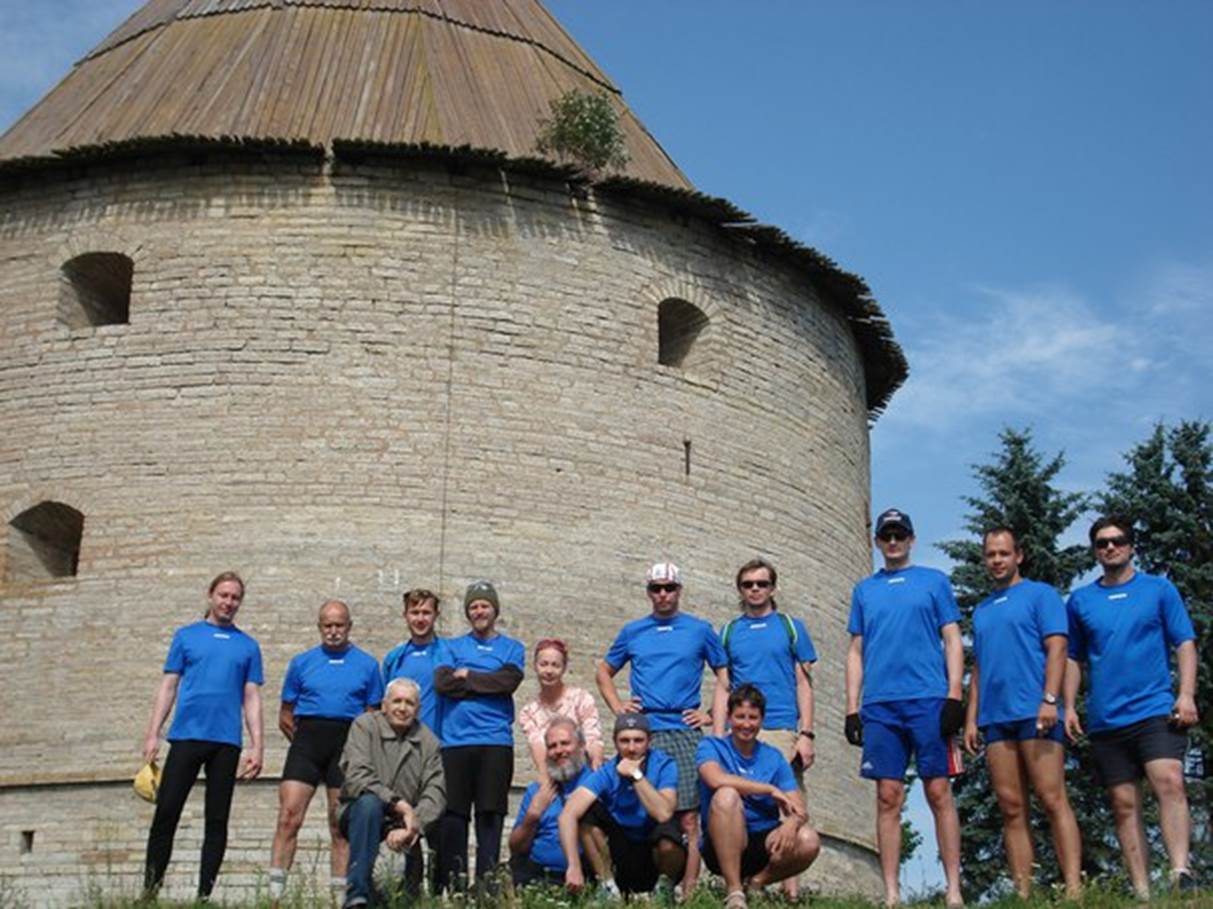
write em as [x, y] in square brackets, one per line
[1110, 542]
[662, 588]
[749, 585]
[892, 536]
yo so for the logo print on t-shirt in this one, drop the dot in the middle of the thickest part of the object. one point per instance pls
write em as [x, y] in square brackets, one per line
[897, 580]
[221, 636]
[1118, 596]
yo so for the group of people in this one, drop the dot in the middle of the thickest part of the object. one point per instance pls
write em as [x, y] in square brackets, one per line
[422, 747]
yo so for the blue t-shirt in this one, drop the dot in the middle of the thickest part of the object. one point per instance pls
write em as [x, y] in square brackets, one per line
[1125, 634]
[900, 614]
[416, 662]
[618, 795]
[334, 684]
[214, 662]
[765, 765]
[545, 848]
[667, 657]
[482, 719]
[762, 653]
[1009, 629]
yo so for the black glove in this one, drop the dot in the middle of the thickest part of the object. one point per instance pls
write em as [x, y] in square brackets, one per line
[951, 718]
[854, 729]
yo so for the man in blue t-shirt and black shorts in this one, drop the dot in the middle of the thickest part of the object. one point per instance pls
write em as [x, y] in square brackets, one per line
[1123, 628]
[325, 689]
[907, 659]
[622, 814]
[667, 651]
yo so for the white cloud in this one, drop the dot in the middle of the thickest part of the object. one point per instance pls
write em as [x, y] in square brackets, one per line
[1012, 354]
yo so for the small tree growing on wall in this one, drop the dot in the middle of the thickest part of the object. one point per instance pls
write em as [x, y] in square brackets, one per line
[583, 128]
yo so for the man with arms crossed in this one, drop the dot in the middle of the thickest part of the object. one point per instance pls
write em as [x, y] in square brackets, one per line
[756, 825]
[1019, 659]
[476, 676]
[325, 689]
[631, 841]
[910, 683]
[535, 852]
[393, 782]
[1122, 628]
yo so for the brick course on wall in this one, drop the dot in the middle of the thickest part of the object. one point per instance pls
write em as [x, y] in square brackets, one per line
[350, 380]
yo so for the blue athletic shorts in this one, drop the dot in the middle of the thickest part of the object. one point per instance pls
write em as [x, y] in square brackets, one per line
[893, 730]
[1021, 731]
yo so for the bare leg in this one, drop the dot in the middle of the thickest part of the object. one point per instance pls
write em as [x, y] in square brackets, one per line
[947, 833]
[689, 821]
[1007, 773]
[726, 827]
[293, 799]
[339, 857]
[787, 865]
[1126, 808]
[1045, 761]
[597, 851]
[890, 795]
[670, 859]
[1167, 780]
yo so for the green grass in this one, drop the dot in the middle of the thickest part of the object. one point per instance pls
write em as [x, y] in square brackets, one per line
[704, 898]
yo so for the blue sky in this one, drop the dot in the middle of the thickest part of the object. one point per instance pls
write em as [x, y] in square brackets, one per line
[1025, 186]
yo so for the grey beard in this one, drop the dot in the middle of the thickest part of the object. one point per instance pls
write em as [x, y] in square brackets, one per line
[563, 773]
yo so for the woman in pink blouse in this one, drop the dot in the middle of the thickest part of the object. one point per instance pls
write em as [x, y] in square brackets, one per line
[558, 699]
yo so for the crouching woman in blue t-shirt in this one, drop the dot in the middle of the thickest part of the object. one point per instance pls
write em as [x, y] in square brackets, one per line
[213, 672]
[755, 822]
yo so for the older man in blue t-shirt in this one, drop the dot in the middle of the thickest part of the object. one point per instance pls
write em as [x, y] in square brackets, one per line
[667, 650]
[325, 689]
[535, 852]
[1123, 628]
[906, 658]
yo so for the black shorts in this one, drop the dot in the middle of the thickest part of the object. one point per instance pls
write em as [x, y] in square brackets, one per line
[1120, 755]
[315, 752]
[478, 775]
[526, 872]
[635, 870]
[753, 858]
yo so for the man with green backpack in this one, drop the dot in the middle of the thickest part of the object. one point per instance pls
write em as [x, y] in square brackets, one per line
[772, 651]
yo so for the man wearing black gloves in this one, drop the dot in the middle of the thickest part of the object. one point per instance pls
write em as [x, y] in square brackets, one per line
[907, 659]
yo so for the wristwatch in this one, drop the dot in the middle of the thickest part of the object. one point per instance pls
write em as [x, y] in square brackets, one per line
[1050, 699]
[808, 734]
[637, 776]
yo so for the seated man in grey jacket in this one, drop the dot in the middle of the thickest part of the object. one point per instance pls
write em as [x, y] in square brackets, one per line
[393, 783]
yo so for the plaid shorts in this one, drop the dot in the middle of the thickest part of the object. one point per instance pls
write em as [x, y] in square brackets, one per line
[680, 744]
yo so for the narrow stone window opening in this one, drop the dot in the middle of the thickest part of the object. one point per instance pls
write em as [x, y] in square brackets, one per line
[680, 326]
[95, 289]
[44, 542]
[27, 842]
[686, 456]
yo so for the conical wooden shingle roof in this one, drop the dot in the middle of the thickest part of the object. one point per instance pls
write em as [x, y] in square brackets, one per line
[443, 72]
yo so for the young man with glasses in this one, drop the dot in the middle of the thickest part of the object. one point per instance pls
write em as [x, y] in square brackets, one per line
[1123, 628]
[907, 659]
[667, 651]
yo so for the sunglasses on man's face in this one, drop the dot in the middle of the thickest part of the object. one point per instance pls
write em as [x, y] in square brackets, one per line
[663, 588]
[893, 536]
[750, 585]
[1111, 542]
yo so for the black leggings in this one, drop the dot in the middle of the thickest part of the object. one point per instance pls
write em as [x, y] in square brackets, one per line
[185, 759]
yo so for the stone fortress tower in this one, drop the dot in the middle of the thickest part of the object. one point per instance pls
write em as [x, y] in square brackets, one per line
[284, 289]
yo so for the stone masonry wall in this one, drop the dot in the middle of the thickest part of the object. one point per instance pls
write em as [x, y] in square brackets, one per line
[350, 380]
